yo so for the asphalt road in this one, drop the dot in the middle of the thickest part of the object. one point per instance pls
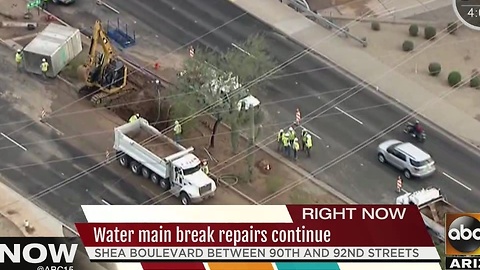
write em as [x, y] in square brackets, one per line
[34, 166]
[345, 120]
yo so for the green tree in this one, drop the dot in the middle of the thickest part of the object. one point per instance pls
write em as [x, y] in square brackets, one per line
[216, 82]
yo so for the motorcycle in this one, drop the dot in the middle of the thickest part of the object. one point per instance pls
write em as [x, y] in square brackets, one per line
[419, 137]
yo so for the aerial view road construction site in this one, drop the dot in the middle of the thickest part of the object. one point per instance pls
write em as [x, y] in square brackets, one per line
[235, 102]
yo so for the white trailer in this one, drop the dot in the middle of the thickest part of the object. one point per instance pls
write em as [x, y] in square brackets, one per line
[148, 152]
[433, 206]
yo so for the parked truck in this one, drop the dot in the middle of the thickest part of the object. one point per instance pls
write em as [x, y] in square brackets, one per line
[433, 206]
[149, 153]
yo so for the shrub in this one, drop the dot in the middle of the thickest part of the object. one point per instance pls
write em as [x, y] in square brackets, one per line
[413, 30]
[454, 78]
[475, 82]
[407, 46]
[430, 32]
[434, 69]
[452, 27]
[375, 26]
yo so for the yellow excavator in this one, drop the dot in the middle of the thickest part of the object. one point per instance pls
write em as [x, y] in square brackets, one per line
[104, 73]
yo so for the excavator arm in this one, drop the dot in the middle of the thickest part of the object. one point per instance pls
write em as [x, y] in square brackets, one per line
[104, 73]
[98, 61]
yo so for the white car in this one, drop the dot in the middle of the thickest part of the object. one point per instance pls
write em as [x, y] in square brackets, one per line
[411, 160]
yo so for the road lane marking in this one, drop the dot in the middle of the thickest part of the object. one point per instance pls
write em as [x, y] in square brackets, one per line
[105, 202]
[456, 181]
[310, 132]
[14, 142]
[242, 50]
[349, 115]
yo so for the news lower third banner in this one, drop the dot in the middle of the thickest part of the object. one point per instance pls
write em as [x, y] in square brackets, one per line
[285, 237]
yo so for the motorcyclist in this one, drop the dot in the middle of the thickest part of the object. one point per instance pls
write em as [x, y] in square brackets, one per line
[417, 129]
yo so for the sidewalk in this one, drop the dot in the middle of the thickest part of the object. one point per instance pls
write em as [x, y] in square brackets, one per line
[15, 209]
[393, 84]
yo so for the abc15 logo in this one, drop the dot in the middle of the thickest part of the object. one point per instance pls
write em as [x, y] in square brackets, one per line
[462, 234]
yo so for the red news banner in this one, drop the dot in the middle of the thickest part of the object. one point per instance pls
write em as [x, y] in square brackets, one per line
[313, 233]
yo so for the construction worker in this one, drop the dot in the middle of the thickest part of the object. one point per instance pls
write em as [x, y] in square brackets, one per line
[296, 148]
[44, 68]
[279, 140]
[286, 144]
[18, 59]
[177, 131]
[134, 118]
[204, 167]
[304, 138]
[308, 144]
[399, 184]
[291, 135]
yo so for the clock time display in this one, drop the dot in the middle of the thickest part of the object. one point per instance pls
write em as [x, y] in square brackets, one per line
[468, 12]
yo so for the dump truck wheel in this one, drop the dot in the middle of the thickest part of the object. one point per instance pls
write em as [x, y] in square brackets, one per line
[155, 178]
[123, 160]
[145, 172]
[164, 184]
[135, 167]
[184, 198]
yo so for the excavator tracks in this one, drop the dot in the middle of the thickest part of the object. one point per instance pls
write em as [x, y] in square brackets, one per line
[135, 83]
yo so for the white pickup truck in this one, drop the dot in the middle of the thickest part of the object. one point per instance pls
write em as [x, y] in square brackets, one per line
[148, 152]
[433, 206]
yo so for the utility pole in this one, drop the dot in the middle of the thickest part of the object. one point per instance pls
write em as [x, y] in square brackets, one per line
[251, 150]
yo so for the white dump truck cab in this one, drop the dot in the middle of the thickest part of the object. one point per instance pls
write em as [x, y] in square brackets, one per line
[186, 180]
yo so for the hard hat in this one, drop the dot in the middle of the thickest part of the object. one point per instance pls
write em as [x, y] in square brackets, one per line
[304, 129]
[137, 115]
[281, 130]
[291, 129]
[308, 136]
[296, 139]
[19, 50]
[176, 122]
[43, 60]
[416, 121]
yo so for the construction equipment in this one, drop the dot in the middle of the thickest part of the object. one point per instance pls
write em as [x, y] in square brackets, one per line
[105, 75]
[149, 153]
[433, 206]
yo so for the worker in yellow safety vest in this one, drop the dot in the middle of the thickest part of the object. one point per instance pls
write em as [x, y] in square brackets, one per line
[177, 131]
[286, 144]
[279, 140]
[44, 68]
[18, 59]
[134, 118]
[308, 144]
[304, 138]
[204, 167]
[291, 135]
[296, 148]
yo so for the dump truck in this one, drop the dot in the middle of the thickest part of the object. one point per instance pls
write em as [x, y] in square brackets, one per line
[149, 153]
[433, 206]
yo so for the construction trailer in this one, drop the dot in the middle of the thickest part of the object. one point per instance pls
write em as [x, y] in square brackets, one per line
[433, 206]
[149, 153]
[57, 44]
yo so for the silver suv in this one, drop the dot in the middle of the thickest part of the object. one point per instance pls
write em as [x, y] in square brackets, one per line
[413, 161]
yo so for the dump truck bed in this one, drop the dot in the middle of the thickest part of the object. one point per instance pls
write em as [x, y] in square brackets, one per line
[161, 146]
[436, 210]
[131, 139]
